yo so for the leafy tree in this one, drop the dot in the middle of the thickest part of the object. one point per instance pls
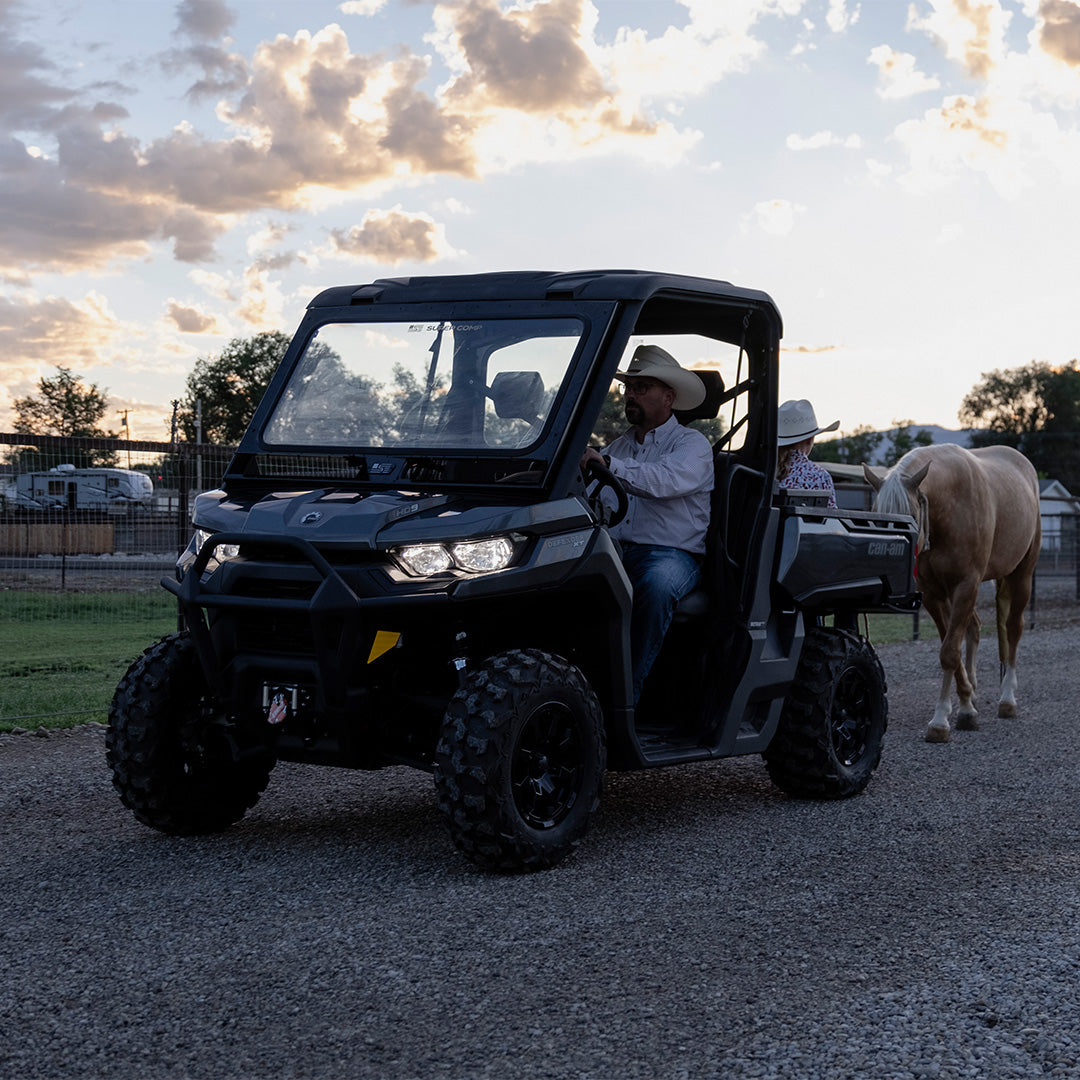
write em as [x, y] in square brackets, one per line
[1034, 408]
[63, 406]
[901, 441]
[230, 387]
[611, 422]
[851, 449]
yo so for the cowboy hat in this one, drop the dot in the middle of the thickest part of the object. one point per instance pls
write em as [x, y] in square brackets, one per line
[796, 422]
[652, 362]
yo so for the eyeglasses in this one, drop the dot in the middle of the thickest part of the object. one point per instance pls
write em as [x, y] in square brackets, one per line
[640, 387]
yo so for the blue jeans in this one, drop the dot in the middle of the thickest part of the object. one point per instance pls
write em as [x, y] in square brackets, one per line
[661, 577]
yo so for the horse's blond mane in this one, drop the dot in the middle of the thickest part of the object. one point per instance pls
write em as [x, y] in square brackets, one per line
[893, 496]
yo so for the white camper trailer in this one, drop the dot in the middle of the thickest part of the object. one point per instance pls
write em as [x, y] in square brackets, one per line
[69, 488]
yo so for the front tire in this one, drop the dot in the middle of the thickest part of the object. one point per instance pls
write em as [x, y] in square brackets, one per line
[520, 762]
[179, 763]
[833, 724]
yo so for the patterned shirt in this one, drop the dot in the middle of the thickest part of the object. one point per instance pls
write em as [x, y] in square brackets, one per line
[668, 478]
[804, 475]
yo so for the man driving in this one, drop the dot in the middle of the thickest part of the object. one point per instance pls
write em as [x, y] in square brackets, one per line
[667, 472]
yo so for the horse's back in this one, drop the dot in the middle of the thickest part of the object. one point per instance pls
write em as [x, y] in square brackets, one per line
[1009, 465]
[1012, 478]
[984, 505]
[1014, 483]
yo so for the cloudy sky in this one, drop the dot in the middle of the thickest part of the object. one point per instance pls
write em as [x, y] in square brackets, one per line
[901, 177]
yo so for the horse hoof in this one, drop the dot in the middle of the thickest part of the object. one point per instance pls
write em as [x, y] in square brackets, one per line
[937, 734]
[1006, 710]
[967, 722]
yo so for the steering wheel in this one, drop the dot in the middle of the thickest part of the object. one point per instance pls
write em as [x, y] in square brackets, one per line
[606, 479]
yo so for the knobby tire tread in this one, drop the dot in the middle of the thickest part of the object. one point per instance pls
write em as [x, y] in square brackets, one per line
[475, 748]
[800, 759]
[159, 778]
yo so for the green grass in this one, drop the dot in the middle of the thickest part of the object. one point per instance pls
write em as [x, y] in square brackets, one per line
[885, 628]
[62, 654]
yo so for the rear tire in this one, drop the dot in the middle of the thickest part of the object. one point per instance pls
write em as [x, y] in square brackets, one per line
[833, 724]
[520, 762]
[179, 763]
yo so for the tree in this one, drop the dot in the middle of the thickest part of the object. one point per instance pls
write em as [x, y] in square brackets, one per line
[230, 387]
[64, 406]
[1034, 408]
[901, 441]
[851, 449]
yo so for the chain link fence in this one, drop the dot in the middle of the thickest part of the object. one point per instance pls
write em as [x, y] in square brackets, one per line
[88, 527]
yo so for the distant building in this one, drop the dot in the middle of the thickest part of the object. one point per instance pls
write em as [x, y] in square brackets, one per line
[1058, 509]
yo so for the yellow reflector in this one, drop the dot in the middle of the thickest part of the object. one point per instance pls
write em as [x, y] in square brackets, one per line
[384, 641]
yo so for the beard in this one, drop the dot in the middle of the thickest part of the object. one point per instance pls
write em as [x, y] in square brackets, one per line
[633, 412]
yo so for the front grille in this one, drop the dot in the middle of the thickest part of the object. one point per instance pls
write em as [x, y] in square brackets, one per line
[275, 634]
[275, 588]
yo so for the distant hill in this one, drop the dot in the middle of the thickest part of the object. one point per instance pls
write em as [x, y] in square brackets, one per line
[937, 433]
[944, 435]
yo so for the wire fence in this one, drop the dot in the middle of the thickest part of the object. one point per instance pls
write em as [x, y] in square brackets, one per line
[88, 527]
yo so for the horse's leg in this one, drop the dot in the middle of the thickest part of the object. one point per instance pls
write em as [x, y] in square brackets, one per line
[938, 728]
[966, 719]
[971, 649]
[1013, 595]
[961, 608]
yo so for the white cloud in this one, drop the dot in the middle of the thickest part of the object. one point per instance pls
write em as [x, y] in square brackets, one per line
[1007, 140]
[775, 217]
[972, 31]
[839, 18]
[214, 284]
[308, 119]
[822, 139]
[40, 333]
[361, 7]
[897, 74]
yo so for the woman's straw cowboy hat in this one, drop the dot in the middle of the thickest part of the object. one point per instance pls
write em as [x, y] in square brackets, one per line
[796, 422]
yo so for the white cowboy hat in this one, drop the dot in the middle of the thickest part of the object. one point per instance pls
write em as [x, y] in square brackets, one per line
[796, 422]
[652, 362]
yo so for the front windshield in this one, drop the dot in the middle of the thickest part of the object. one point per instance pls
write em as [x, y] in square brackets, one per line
[466, 384]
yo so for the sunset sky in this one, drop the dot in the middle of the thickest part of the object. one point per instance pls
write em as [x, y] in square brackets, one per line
[902, 178]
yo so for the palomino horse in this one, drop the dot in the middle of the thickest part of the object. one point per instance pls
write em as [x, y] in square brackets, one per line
[978, 517]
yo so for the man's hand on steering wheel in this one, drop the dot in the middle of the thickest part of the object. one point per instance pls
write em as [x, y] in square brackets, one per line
[594, 466]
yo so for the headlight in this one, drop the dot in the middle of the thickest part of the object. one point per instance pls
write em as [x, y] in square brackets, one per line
[483, 556]
[222, 553]
[425, 559]
[473, 556]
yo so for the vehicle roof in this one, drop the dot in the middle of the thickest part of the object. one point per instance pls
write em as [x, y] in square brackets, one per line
[536, 285]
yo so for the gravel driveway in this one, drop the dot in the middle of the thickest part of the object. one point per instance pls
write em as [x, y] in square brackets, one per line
[709, 926]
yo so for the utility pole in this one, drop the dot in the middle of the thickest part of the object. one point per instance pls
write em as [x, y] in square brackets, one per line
[127, 431]
[198, 444]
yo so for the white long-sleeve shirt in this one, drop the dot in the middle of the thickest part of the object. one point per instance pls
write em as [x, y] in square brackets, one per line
[668, 477]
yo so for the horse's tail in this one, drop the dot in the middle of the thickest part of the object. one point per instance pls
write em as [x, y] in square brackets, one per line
[1003, 605]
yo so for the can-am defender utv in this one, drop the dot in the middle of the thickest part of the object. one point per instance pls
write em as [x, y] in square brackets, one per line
[404, 564]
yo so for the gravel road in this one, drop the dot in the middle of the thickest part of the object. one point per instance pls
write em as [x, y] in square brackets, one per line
[709, 926]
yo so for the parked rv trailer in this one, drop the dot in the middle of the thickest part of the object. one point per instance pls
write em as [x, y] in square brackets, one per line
[68, 488]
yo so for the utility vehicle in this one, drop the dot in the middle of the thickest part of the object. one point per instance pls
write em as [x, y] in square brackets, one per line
[405, 565]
